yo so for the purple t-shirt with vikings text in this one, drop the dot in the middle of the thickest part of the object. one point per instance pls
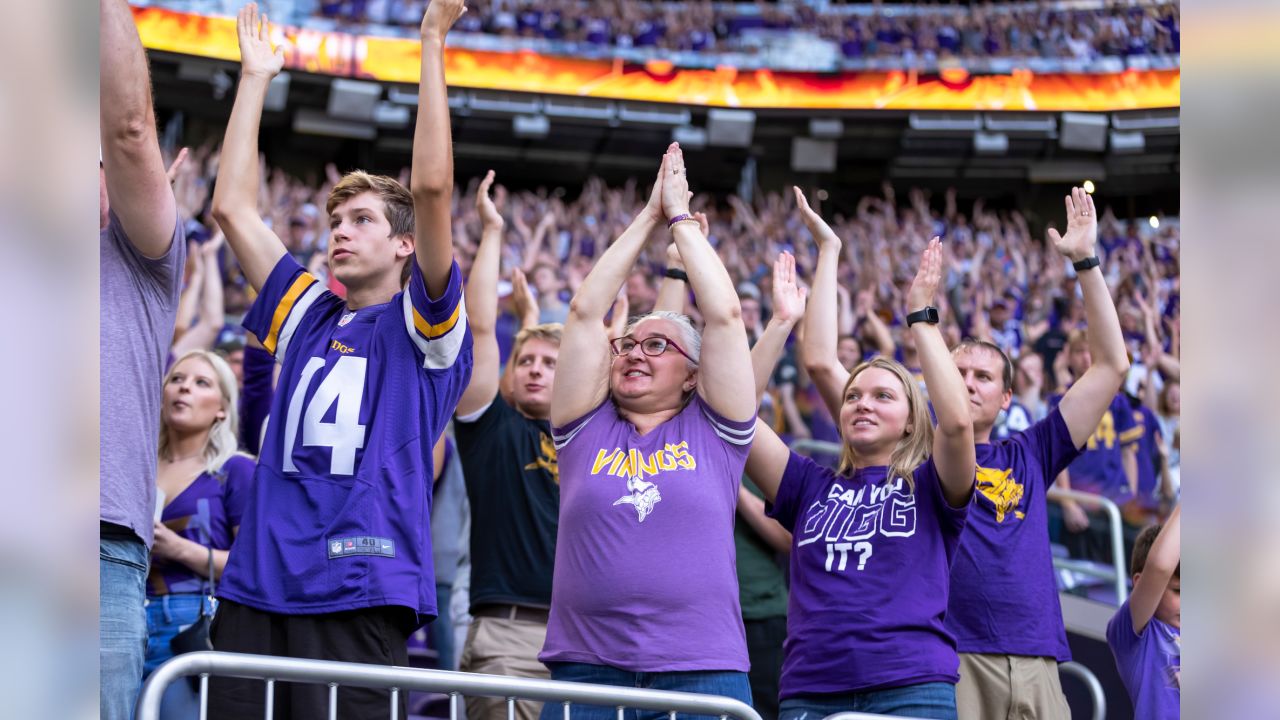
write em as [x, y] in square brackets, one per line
[207, 512]
[645, 573]
[1150, 663]
[340, 514]
[1004, 599]
[870, 567]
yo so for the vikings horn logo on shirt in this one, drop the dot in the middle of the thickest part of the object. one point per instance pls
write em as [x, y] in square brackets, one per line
[1002, 490]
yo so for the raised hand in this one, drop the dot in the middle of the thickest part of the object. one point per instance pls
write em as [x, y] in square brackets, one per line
[256, 55]
[703, 224]
[440, 17]
[675, 184]
[924, 288]
[821, 231]
[172, 172]
[654, 206]
[1082, 227]
[674, 261]
[523, 303]
[789, 296]
[489, 215]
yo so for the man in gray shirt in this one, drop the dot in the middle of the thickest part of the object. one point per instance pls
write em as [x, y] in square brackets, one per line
[142, 253]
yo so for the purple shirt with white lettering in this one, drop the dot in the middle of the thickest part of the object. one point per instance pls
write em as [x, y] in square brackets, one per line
[1004, 598]
[645, 573]
[870, 572]
[1150, 663]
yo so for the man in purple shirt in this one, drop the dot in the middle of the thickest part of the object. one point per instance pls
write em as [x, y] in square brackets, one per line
[1145, 634]
[142, 253]
[334, 559]
[1004, 609]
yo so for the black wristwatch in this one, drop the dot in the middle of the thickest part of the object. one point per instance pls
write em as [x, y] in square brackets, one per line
[1090, 262]
[677, 274]
[928, 314]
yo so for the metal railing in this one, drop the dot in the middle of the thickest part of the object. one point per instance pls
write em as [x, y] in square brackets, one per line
[1091, 683]
[271, 669]
[1117, 573]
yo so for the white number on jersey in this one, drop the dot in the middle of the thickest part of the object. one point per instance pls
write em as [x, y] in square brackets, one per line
[345, 435]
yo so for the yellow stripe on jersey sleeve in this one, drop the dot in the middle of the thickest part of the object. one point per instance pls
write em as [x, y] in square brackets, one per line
[299, 286]
[1133, 434]
[431, 332]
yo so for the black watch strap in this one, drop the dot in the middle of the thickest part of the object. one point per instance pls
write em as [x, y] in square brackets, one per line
[1090, 262]
[928, 314]
[677, 274]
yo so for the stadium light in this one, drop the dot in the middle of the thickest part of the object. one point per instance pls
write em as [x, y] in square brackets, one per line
[1088, 186]
[1154, 222]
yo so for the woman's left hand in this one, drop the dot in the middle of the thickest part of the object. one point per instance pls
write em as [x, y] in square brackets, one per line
[675, 184]
[924, 288]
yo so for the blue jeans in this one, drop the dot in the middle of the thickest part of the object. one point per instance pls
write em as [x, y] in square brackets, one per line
[122, 627]
[926, 700]
[441, 629]
[167, 615]
[728, 683]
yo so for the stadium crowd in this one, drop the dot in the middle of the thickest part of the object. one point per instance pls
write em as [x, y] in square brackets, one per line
[336, 326]
[926, 30]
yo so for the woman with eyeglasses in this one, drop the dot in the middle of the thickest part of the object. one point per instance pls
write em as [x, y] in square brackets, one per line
[651, 450]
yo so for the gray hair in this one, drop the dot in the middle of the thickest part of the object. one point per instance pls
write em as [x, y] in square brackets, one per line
[690, 339]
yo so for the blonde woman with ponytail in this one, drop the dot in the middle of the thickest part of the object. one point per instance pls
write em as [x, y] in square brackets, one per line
[203, 483]
[873, 541]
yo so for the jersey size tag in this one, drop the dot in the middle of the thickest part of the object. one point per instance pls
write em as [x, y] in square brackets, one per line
[343, 547]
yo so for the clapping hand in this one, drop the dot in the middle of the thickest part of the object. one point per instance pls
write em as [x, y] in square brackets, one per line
[490, 218]
[1082, 227]
[924, 288]
[789, 296]
[675, 184]
[818, 227]
[440, 17]
[257, 58]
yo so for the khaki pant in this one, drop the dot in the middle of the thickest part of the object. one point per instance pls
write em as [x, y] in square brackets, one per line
[1010, 687]
[497, 646]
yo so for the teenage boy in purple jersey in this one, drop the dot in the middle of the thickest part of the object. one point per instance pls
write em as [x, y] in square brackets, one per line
[142, 252]
[873, 541]
[1145, 634]
[651, 450]
[333, 559]
[1004, 609]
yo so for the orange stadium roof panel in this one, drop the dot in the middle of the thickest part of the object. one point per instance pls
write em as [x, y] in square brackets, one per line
[397, 60]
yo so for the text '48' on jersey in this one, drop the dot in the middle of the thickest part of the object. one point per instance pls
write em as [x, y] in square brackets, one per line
[340, 516]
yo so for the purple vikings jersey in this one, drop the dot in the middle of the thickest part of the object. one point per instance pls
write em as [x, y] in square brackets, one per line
[341, 508]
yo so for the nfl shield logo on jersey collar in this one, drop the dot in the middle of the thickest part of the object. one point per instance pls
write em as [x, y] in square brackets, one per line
[347, 318]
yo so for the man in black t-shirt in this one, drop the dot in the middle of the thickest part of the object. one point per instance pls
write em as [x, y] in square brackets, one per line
[509, 463]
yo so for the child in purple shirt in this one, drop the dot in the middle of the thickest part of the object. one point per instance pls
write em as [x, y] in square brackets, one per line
[873, 541]
[1146, 633]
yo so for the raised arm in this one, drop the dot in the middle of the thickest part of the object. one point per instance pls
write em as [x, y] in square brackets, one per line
[953, 450]
[876, 328]
[672, 291]
[481, 297]
[751, 510]
[1084, 404]
[584, 344]
[1162, 562]
[431, 180]
[820, 337]
[726, 386]
[767, 460]
[138, 189]
[204, 333]
[788, 307]
[235, 194]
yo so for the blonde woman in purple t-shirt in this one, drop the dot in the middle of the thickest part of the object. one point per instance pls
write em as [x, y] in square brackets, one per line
[873, 541]
[651, 451]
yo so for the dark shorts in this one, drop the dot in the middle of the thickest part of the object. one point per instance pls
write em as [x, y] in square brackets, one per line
[373, 635]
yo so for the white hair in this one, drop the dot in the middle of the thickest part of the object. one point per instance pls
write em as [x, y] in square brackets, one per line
[690, 339]
[223, 439]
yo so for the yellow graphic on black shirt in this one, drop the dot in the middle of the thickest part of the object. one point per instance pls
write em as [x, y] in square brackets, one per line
[1002, 490]
[547, 460]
